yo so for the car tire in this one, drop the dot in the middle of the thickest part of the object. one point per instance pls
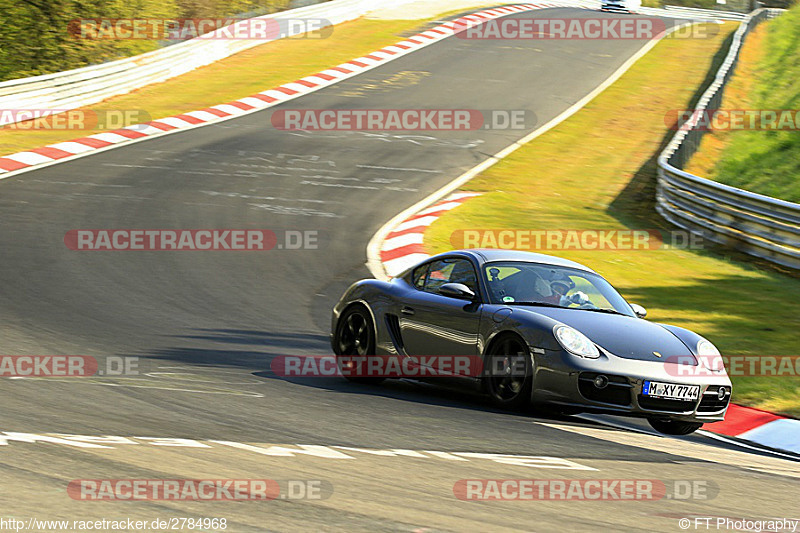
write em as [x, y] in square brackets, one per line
[508, 389]
[355, 336]
[674, 427]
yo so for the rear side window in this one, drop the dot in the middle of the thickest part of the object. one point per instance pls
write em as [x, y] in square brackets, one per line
[451, 271]
[418, 276]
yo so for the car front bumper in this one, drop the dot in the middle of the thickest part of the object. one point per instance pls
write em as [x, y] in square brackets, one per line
[565, 379]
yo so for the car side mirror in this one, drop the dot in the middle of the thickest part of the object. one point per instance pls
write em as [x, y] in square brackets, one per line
[457, 290]
[638, 310]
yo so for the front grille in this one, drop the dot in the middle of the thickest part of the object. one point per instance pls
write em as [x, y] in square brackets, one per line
[710, 403]
[618, 391]
[660, 404]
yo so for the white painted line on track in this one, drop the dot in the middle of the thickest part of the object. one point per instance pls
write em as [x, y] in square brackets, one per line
[292, 450]
[694, 451]
[741, 444]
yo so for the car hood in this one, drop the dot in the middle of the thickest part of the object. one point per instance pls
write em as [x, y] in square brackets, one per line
[623, 336]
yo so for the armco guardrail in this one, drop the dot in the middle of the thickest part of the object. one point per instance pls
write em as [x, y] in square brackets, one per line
[692, 13]
[88, 85]
[696, 12]
[759, 225]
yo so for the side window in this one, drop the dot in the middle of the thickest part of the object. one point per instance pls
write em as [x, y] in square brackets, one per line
[451, 271]
[418, 277]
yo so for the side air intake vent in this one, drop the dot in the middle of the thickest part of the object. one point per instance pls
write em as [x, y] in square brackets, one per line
[393, 325]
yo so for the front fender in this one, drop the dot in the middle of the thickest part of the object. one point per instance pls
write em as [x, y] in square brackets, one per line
[535, 329]
[378, 297]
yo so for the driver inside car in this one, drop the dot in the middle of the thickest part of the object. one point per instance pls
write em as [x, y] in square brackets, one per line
[559, 289]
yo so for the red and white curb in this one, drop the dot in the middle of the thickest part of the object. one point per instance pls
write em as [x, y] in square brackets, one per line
[403, 247]
[760, 427]
[23, 161]
[387, 260]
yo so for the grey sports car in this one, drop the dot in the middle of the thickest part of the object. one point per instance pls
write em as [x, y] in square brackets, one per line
[548, 331]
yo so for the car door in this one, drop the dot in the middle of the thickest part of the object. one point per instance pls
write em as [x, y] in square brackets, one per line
[432, 324]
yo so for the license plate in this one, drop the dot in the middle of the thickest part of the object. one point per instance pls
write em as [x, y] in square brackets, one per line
[670, 391]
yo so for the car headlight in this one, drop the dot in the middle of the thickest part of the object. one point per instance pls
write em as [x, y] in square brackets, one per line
[576, 342]
[709, 356]
[705, 348]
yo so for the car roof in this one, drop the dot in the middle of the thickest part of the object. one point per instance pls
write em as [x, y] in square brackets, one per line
[488, 255]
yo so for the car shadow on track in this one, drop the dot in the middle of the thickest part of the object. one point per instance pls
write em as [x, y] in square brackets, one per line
[287, 341]
[265, 346]
[214, 353]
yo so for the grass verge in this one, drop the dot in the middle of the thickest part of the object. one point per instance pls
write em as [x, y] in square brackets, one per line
[243, 74]
[767, 162]
[597, 171]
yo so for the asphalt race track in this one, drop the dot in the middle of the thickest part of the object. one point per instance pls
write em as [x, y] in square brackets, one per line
[207, 324]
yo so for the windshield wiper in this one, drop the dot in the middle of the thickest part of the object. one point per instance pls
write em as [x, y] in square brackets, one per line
[537, 304]
[545, 304]
[600, 310]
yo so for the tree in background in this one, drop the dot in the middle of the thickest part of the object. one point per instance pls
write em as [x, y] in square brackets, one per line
[34, 36]
[226, 8]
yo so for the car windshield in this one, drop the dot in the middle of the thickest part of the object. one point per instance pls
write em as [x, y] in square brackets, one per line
[520, 283]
